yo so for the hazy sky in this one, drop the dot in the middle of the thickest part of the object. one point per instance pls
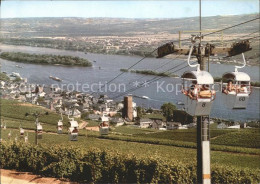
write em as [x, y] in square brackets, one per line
[127, 9]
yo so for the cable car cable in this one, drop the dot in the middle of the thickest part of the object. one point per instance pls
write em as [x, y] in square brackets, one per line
[133, 89]
[238, 38]
[150, 81]
[232, 26]
[159, 68]
[180, 40]
[249, 34]
[252, 38]
[241, 40]
[127, 69]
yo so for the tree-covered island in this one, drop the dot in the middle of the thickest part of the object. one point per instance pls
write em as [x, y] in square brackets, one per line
[45, 59]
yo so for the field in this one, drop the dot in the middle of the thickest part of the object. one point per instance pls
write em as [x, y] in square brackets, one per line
[228, 149]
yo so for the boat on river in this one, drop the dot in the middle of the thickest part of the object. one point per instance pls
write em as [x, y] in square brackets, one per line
[14, 74]
[180, 103]
[18, 66]
[55, 78]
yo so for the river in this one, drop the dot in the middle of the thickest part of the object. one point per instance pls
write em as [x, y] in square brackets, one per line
[106, 67]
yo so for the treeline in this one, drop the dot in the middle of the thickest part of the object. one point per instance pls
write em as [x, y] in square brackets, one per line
[104, 166]
[45, 59]
[150, 72]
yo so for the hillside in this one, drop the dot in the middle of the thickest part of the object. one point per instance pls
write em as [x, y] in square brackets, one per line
[72, 27]
[124, 36]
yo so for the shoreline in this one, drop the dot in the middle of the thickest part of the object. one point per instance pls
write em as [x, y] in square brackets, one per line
[118, 54]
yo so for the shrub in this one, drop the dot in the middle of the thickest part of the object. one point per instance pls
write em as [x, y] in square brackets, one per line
[103, 166]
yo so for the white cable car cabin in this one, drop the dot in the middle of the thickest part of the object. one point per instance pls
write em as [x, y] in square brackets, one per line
[104, 126]
[21, 132]
[237, 89]
[60, 127]
[26, 138]
[197, 87]
[39, 131]
[73, 130]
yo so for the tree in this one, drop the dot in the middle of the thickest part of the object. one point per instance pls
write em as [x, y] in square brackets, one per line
[150, 110]
[167, 110]
[140, 112]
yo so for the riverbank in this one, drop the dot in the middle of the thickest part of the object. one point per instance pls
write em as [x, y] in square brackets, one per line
[45, 59]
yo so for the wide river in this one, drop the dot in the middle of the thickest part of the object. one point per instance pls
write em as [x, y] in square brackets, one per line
[106, 67]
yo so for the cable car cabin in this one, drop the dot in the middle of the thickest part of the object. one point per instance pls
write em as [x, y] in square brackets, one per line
[39, 131]
[73, 130]
[26, 138]
[60, 127]
[21, 132]
[236, 87]
[104, 126]
[197, 87]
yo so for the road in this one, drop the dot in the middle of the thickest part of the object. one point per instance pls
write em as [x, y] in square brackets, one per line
[16, 177]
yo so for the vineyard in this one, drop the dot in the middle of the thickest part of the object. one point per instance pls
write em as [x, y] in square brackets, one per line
[151, 155]
[97, 165]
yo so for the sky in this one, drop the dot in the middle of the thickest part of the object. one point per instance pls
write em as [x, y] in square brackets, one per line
[127, 9]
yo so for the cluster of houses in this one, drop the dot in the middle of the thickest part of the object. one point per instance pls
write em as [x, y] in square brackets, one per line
[68, 103]
[76, 104]
[115, 43]
[234, 126]
[156, 123]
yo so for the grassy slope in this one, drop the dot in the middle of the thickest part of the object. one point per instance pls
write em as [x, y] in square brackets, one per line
[90, 139]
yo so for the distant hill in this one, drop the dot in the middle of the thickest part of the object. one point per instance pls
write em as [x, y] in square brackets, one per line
[32, 27]
[124, 36]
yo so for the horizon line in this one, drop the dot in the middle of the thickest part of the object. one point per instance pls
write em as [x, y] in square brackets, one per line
[130, 17]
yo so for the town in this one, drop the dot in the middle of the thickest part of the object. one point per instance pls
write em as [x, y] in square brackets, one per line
[89, 107]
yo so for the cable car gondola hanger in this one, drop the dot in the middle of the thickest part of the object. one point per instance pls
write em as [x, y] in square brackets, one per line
[197, 88]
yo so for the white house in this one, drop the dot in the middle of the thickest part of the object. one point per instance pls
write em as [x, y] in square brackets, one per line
[76, 113]
[104, 119]
[146, 123]
[234, 127]
[222, 125]
[173, 125]
[2, 84]
[117, 121]
[134, 110]
[42, 94]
